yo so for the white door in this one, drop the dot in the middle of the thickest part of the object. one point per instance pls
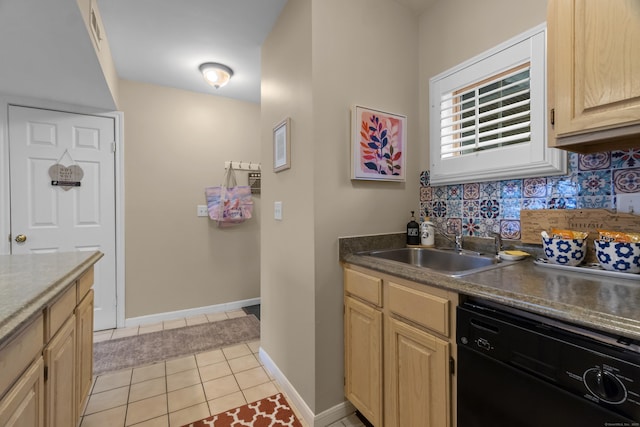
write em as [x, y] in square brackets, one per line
[65, 218]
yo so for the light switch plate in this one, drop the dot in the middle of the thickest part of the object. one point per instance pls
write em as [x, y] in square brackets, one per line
[202, 210]
[277, 211]
[628, 202]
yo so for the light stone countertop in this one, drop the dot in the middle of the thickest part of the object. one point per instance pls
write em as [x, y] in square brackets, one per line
[28, 283]
[598, 302]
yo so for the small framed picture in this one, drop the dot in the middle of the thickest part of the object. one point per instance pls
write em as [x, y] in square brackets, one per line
[378, 145]
[282, 145]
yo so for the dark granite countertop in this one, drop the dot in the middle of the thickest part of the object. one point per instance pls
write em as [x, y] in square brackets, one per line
[28, 283]
[599, 302]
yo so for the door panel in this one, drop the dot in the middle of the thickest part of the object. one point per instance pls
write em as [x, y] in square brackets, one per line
[56, 218]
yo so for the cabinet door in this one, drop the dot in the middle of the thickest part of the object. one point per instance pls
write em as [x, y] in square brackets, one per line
[60, 358]
[23, 406]
[84, 350]
[594, 59]
[363, 358]
[417, 378]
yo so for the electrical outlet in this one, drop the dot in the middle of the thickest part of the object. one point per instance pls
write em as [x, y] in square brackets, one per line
[202, 210]
[277, 211]
[628, 202]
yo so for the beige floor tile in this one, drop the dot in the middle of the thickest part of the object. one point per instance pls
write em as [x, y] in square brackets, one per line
[174, 324]
[146, 389]
[243, 363]
[254, 346]
[109, 418]
[236, 313]
[183, 379]
[106, 400]
[112, 380]
[197, 320]
[102, 335]
[260, 392]
[185, 397]
[210, 357]
[251, 378]
[214, 317]
[236, 351]
[149, 372]
[146, 409]
[125, 332]
[181, 364]
[215, 370]
[162, 421]
[220, 387]
[227, 402]
[188, 415]
[151, 327]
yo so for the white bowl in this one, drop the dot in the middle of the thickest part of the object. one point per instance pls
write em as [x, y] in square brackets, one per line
[618, 256]
[564, 251]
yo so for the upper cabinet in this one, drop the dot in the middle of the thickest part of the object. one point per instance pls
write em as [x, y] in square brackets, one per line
[594, 74]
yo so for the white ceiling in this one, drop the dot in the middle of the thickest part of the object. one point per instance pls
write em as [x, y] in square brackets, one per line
[47, 54]
[164, 41]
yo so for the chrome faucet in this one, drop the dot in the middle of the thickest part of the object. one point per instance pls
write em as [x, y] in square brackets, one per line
[456, 241]
[498, 241]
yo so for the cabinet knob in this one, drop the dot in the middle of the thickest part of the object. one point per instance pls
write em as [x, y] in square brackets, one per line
[21, 238]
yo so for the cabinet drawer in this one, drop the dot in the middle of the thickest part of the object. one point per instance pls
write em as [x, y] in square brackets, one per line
[58, 312]
[85, 282]
[362, 285]
[424, 309]
[19, 352]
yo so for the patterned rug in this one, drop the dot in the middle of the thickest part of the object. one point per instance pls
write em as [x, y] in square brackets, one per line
[271, 411]
[139, 350]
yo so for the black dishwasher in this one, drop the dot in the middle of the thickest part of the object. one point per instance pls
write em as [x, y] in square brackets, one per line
[517, 368]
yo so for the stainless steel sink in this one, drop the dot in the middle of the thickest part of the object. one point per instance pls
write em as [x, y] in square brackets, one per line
[447, 262]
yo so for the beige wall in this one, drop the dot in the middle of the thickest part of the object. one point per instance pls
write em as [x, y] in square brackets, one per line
[453, 31]
[176, 143]
[322, 57]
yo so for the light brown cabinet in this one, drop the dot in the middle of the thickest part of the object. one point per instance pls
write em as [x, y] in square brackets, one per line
[594, 74]
[398, 350]
[23, 406]
[60, 358]
[46, 368]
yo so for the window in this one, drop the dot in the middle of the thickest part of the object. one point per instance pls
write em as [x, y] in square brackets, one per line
[488, 116]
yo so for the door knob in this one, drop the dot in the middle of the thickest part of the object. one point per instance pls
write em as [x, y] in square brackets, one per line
[21, 238]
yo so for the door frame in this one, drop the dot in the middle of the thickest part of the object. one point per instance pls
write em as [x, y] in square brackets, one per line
[5, 211]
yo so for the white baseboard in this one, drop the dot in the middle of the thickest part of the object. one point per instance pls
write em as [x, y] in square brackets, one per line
[172, 315]
[323, 419]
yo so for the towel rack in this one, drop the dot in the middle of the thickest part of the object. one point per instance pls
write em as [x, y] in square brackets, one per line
[243, 166]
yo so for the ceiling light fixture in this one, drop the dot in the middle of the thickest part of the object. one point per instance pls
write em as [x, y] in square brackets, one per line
[217, 75]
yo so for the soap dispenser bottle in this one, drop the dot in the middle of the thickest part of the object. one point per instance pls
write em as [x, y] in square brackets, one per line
[427, 233]
[413, 231]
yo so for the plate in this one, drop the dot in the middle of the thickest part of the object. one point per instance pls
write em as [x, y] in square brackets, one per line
[507, 257]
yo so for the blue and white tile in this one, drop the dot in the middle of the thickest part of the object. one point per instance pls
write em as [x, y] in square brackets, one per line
[425, 179]
[473, 227]
[510, 208]
[454, 192]
[563, 186]
[594, 183]
[439, 193]
[489, 208]
[511, 189]
[562, 203]
[439, 209]
[623, 159]
[455, 208]
[471, 209]
[534, 203]
[595, 202]
[489, 190]
[626, 181]
[510, 229]
[534, 187]
[594, 161]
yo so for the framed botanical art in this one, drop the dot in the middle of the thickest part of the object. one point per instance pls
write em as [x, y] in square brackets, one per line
[282, 145]
[378, 145]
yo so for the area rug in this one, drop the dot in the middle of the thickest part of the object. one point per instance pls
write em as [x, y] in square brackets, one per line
[139, 350]
[268, 412]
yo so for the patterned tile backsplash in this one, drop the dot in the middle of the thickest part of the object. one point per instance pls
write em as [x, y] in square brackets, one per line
[592, 181]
